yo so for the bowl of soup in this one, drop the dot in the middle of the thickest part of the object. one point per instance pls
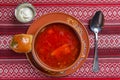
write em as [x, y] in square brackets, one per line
[56, 46]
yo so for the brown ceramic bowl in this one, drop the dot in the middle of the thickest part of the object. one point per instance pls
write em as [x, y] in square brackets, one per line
[39, 60]
[70, 23]
[77, 27]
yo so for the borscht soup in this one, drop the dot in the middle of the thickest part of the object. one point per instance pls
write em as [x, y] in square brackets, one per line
[57, 45]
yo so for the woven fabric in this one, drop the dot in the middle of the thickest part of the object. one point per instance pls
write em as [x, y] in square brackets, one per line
[17, 66]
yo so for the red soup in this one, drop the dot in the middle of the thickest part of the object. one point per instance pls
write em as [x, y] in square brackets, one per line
[57, 45]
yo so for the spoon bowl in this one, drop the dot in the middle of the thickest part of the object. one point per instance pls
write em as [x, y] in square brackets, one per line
[97, 22]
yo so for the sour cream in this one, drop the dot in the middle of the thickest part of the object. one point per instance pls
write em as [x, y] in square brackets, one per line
[25, 12]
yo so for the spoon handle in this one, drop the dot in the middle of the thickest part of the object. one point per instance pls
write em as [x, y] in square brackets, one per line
[95, 64]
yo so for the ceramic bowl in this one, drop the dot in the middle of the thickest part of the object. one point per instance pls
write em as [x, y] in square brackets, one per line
[40, 62]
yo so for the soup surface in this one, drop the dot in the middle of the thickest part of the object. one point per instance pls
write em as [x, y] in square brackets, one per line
[57, 45]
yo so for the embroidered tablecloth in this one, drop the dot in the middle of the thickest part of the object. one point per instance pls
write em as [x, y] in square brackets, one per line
[17, 66]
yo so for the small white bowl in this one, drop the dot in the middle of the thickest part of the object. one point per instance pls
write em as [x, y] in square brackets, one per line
[25, 12]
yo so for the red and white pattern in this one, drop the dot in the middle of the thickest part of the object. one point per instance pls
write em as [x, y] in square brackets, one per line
[109, 67]
[60, 1]
[83, 10]
[5, 41]
[20, 68]
[84, 14]
[105, 41]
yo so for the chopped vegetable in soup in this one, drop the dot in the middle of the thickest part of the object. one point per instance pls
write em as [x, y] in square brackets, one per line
[57, 45]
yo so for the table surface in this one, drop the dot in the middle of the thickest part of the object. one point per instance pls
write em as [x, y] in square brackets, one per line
[17, 66]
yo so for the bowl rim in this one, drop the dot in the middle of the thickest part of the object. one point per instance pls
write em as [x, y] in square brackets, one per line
[41, 63]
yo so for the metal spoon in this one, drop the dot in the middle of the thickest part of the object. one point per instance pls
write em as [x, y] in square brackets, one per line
[96, 26]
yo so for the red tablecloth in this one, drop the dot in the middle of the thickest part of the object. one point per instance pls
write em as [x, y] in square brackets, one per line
[17, 66]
